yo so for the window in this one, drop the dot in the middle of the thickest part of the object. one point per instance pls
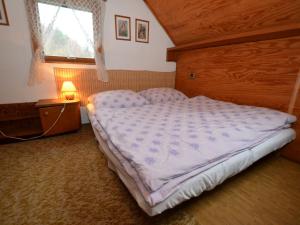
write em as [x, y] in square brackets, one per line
[71, 38]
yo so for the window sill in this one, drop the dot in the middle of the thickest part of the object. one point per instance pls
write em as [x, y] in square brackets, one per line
[58, 59]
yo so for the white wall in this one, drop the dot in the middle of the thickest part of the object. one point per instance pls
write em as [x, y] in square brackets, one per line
[15, 50]
[15, 57]
[134, 55]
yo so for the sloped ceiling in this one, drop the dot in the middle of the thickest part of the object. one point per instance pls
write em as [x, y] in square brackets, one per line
[187, 21]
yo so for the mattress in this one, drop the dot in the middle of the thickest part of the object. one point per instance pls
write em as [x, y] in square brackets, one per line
[195, 185]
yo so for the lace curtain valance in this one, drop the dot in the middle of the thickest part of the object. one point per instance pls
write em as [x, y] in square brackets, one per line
[39, 36]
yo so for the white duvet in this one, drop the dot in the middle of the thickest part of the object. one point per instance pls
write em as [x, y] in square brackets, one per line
[162, 145]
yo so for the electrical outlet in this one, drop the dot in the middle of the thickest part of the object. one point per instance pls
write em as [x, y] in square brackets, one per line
[192, 76]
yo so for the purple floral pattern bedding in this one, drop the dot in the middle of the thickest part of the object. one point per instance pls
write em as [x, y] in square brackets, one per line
[168, 142]
[117, 99]
[161, 95]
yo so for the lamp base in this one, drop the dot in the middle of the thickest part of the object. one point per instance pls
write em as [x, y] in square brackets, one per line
[69, 96]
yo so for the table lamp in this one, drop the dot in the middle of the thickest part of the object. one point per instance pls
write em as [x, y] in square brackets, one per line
[68, 89]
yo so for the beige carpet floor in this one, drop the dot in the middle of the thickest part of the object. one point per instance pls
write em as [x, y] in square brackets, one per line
[65, 180]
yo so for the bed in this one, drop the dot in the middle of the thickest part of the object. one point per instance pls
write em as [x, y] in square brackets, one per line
[167, 152]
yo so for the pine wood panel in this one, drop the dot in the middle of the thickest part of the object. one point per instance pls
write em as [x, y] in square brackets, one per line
[187, 21]
[261, 73]
[87, 83]
[277, 32]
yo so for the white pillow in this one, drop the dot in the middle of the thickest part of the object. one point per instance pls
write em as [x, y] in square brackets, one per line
[161, 95]
[117, 99]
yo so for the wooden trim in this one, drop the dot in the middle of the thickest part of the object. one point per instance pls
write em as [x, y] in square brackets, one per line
[252, 36]
[159, 21]
[171, 55]
[54, 102]
[126, 17]
[5, 14]
[295, 94]
[136, 29]
[60, 59]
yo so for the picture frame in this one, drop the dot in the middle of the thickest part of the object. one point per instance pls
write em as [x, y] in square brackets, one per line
[142, 30]
[3, 14]
[123, 28]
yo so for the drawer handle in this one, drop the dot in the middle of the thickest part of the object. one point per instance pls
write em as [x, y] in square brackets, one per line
[46, 113]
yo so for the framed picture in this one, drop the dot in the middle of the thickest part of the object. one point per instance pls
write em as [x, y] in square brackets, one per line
[141, 31]
[123, 28]
[3, 14]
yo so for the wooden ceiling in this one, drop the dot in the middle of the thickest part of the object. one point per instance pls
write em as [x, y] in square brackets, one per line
[187, 21]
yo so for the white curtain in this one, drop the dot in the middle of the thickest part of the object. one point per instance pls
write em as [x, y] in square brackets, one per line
[39, 39]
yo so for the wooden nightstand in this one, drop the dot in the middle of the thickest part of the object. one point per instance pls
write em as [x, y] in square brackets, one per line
[49, 110]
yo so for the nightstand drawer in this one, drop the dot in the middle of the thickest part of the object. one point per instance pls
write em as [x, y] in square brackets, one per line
[69, 120]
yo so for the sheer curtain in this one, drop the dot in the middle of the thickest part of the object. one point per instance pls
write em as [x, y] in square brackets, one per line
[40, 36]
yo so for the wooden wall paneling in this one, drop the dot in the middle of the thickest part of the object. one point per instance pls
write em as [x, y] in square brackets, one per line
[87, 83]
[271, 33]
[188, 21]
[264, 73]
[260, 73]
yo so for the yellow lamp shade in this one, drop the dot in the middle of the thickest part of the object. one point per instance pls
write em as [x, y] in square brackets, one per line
[68, 89]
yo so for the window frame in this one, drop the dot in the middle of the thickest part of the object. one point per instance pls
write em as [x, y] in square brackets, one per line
[64, 59]
[72, 60]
